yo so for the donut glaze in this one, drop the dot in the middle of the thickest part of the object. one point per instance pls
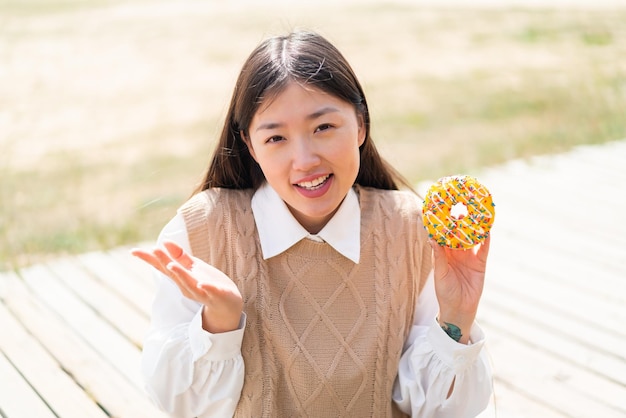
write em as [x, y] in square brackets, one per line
[458, 232]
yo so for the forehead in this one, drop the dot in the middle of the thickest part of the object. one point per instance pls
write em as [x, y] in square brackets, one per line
[298, 99]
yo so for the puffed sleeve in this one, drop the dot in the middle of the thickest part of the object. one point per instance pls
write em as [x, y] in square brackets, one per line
[189, 372]
[432, 362]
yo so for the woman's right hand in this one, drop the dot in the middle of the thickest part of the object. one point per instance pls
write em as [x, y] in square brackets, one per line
[199, 281]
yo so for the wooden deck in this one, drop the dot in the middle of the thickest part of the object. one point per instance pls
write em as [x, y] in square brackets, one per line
[553, 306]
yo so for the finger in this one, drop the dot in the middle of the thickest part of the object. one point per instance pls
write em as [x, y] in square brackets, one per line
[173, 275]
[163, 256]
[183, 275]
[218, 284]
[483, 251]
[150, 258]
[440, 262]
[142, 254]
[177, 253]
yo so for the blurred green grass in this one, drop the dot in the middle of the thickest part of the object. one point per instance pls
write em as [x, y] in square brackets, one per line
[450, 91]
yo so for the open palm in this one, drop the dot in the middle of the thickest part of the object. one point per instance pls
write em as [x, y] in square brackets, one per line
[199, 281]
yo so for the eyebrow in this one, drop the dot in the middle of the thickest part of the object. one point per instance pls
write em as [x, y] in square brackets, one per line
[321, 112]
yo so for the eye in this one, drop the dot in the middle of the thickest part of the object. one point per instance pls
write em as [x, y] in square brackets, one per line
[274, 139]
[323, 127]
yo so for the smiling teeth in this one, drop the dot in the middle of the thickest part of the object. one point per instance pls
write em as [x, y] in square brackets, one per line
[312, 185]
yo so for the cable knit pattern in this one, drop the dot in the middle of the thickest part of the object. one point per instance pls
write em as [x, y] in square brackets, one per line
[324, 335]
[382, 321]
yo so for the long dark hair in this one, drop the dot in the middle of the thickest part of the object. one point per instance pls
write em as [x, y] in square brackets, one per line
[308, 58]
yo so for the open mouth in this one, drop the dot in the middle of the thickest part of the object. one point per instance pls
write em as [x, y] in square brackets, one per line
[314, 184]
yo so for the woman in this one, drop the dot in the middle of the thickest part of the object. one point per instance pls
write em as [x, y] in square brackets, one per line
[298, 280]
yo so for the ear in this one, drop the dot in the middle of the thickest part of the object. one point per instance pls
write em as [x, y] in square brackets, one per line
[246, 140]
[362, 131]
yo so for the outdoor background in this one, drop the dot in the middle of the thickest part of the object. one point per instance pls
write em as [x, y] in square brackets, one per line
[108, 109]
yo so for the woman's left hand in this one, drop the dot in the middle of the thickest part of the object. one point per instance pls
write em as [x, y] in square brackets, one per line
[459, 280]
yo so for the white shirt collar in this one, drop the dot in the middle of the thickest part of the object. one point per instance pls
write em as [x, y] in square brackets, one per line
[279, 230]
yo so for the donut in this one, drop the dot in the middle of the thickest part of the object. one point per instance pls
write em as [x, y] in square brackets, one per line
[453, 194]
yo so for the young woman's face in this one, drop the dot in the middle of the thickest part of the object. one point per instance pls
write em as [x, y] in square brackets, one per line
[307, 144]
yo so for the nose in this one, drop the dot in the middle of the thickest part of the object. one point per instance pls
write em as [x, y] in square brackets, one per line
[305, 155]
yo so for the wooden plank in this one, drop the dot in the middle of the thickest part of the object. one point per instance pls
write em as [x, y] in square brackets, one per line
[509, 403]
[543, 231]
[555, 218]
[559, 385]
[597, 164]
[137, 269]
[95, 330]
[554, 266]
[564, 361]
[566, 191]
[574, 230]
[535, 188]
[119, 280]
[568, 345]
[593, 311]
[524, 183]
[608, 158]
[93, 372]
[555, 322]
[545, 288]
[43, 373]
[128, 320]
[552, 307]
[17, 397]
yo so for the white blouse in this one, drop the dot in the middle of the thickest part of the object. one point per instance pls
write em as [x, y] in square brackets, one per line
[190, 372]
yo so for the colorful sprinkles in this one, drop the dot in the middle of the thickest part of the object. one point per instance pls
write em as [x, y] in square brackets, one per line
[466, 231]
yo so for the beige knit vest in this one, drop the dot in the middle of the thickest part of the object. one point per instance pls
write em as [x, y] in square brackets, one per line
[323, 335]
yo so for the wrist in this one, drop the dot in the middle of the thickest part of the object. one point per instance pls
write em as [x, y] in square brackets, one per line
[216, 324]
[456, 328]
